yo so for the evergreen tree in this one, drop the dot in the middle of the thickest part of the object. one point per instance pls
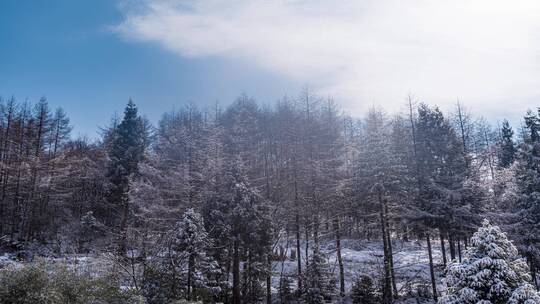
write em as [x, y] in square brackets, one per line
[237, 218]
[507, 147]
[182, 268]
[128, 142]
[528, 184]
[319, 284]
[525, 294]
[189, 244]
[363, 291]
[491, 272]
[442, 169]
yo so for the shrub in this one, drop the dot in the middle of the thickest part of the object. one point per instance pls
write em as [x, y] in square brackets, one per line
[42, 283]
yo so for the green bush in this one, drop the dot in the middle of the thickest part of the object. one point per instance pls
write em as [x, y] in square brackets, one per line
[40, 283]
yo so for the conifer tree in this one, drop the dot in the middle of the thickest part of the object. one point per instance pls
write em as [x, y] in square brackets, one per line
[238, 220]
[127, 146]
[363, 291]
[319, 284]
[190, 241]
[528, 184]
[507, 147]
[491, 272]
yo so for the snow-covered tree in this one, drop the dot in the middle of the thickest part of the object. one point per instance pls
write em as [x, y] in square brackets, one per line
[528, 184]
[189, 242]
[525, 294]
[188, 271]
[491, 272]
[319, 283]
[363, 291]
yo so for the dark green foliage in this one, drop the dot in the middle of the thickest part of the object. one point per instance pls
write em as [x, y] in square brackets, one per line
[442, 172]
[128, 141]
[507, 147]
[363, 291]
[528, 207]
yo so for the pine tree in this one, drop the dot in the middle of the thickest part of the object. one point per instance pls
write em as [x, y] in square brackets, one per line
[363, 291]
[491, 272]
[180, 267]
[525, 294]
[319, 284]
[441, 171]
[127, 146]
[528, 184]
[238, 219]
[189, 243]
[507, 147]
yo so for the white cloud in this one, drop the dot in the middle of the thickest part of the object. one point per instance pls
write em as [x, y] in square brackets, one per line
[365, 51]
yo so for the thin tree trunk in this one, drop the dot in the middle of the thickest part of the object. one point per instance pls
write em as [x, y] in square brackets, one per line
[452, 244]
[390, 255]
[532, 268]
[123, 228]
[534, 278]
[387, 289]
[431, 269]
[269, 280]
[298, 252]
[236, 274]
[459, 248]
[339, 258]
[307, 243]
[443, 249]
[191, 265]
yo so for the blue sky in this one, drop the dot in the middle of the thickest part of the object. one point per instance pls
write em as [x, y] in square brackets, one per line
[65, 50]
[90, 57]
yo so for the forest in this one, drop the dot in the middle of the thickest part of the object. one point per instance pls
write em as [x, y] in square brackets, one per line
[289, 202]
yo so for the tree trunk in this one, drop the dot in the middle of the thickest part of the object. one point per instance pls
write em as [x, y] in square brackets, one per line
[339, 258]
[452, 244]
[298, 252]
[532, 268]
[236, 273]
[387, 288]
[123, 228]
[443, 249]
[269, 280]
[391, 256]
[533, 275]
[307, 243]
[431, 270]
[459, 248]
[191, 265]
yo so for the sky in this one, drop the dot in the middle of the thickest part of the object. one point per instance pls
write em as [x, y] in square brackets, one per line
[90, 57]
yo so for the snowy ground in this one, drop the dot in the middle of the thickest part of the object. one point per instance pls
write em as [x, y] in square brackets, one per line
[359, 257]
[366, 258]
